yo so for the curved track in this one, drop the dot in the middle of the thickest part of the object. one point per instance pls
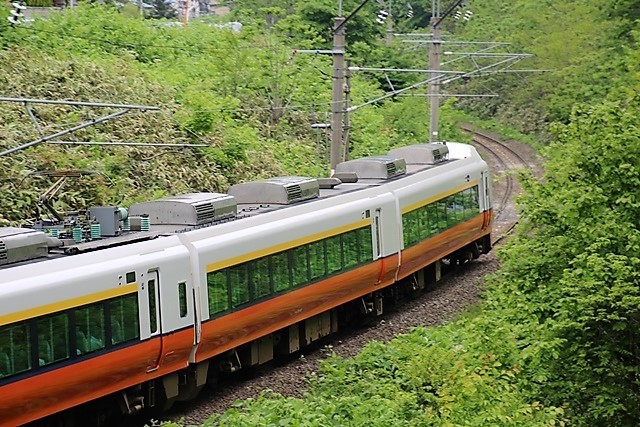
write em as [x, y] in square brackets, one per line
[453, 294]
[505, 162]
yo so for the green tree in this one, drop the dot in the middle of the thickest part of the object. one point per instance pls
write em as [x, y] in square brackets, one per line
[577, 263]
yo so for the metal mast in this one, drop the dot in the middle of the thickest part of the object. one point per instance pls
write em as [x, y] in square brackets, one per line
[337, 95]
[434, 64]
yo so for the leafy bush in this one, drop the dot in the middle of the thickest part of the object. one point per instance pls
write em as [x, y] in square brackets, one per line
[39, 3]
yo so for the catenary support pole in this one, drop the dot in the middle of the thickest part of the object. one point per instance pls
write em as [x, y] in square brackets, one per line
[337, 96]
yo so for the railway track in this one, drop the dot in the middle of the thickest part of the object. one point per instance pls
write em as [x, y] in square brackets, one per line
[505, 162]
[456, 291]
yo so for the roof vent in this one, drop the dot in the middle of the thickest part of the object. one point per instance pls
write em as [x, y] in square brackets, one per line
[187, 209]
[21, 244]
[422, 154]
[375, 167]
[282, 190]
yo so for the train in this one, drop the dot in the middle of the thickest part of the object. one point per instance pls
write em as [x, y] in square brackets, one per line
[129, 310]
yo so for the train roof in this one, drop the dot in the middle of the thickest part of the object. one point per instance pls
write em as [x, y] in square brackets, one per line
[196, 211]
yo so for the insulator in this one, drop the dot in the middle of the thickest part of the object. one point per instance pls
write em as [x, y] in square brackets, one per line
[95, 230]
[145, 223]
[382, 15]
[77, 234]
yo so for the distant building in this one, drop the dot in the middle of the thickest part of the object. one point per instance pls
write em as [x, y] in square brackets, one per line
[200, 7]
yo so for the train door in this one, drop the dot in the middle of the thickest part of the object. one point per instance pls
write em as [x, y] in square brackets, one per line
[485, 199]
[376, 234]
[151, 291]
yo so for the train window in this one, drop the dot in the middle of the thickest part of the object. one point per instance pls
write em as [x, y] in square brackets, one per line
[299, 266]
[334, 254]
[457, 207]
[471, 202]
[90, 334]
[410, 228]
[260, 277]
[318, 260]
[441, 209]
[407, 229]
[218, 291]
[422, 224]
[239, 284]
[280, 271]
[182, 298]
[15, 349]
[153, 319]
[124, 317]
[131, 277]
[53, 338]
[350, 247]
[365, 244]
[432, 215]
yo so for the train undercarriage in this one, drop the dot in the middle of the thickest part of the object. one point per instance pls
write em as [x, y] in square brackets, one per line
[150, 399]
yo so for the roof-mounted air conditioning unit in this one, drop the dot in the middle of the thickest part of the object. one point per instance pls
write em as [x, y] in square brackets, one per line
[374, 167]
[282, 190]
[187, 209]
[422, 154]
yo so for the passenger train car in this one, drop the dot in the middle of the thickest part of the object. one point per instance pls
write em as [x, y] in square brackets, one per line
[136, 309]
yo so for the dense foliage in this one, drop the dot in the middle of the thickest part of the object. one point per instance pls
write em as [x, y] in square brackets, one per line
[581, 54]
[247, 96]
[555, 340]
[576, 265]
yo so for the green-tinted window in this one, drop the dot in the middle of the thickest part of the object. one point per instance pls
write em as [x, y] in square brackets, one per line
[239, 284]
[365, 245]
[350, 247]
[417, 221]
[217, 291]
[423, 223]
[456, 208]
[182, 298]
[432, 215]
[408, 228]
[441, 211]
[299, 266]
[153, 319]
[334, 254]
[90, 334]
[260, 277]
[471, 202]
[15, 349]
[53, 338]
[318, 260]
[280, 266]
[125, 325]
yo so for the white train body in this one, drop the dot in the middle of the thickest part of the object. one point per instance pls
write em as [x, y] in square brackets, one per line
[170, 308]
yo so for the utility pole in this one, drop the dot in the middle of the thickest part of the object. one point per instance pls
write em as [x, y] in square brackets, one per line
[435, 50]
[337, 100]
[347, 104]
[185, 17]
[434, 64]
[434, 85]
[338, 88]
[389, 38]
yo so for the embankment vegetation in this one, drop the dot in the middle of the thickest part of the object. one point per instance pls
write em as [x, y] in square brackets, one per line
[554, 341]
